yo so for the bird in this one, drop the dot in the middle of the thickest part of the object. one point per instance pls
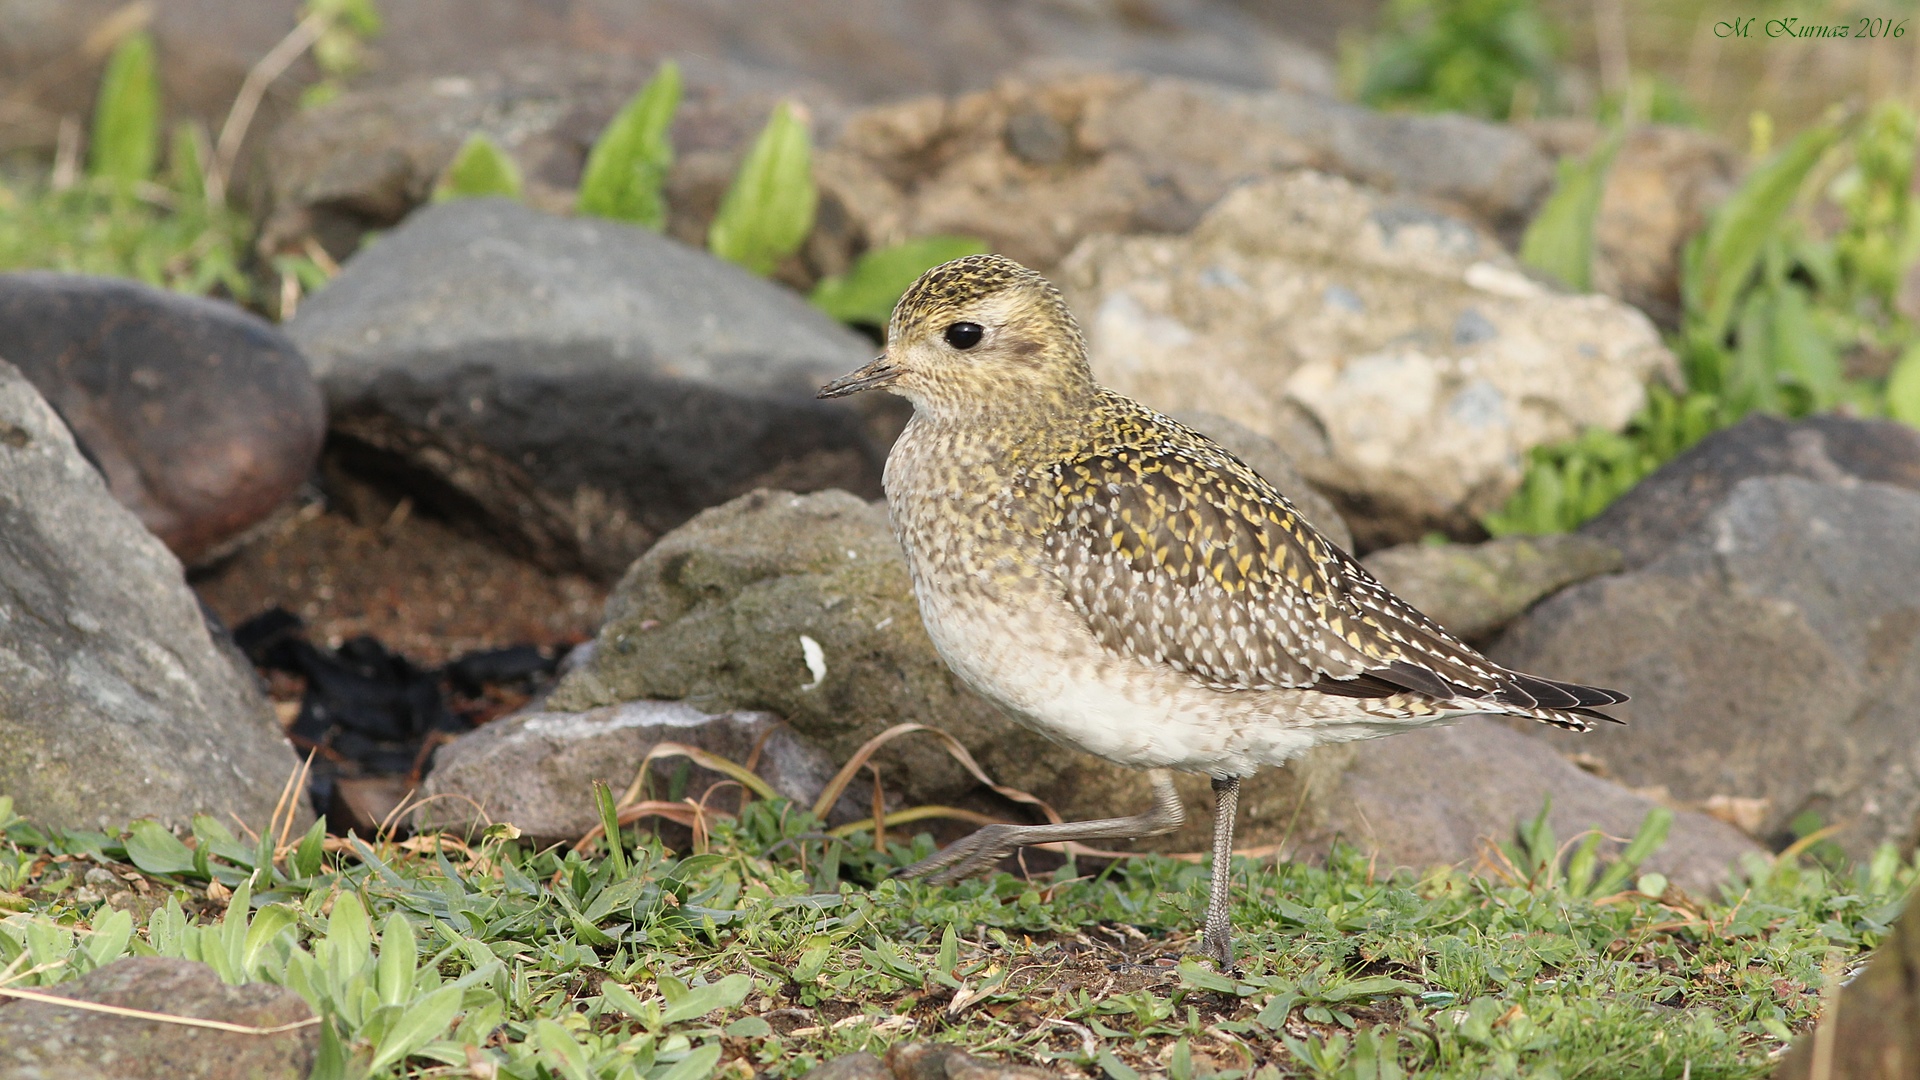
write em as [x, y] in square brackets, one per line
[1127, 587]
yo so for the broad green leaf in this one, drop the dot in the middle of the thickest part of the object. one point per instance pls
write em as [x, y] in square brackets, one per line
[398, 958]
[310, 855]
[866, 294]
[479, 169]
[621, 998]
[1559, 242]
[111, 932]
[695, 1066]
[559, 1045]
[157, 851]
[349, 941]
[126, 115]
[701, 1000]
[627, 167]
[422, 1022]
[1721, 259]
[268, 924]
[768, 212]
[217, 839]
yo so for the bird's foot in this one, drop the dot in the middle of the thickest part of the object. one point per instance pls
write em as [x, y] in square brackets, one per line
[1217, 946]
[967, 857]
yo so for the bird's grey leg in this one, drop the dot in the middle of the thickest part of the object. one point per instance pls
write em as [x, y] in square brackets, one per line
[1217, 942]
[978, 853]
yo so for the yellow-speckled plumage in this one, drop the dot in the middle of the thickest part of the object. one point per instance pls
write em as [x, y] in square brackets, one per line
[1123, 584]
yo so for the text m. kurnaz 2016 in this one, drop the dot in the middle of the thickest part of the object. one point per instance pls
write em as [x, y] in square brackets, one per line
[1793, 27]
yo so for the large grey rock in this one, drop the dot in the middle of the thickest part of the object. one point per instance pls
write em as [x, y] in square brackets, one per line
[1668, 505]
[1773, 654]
[115, 702]
[1443, 794]
[1475, 590]
[579, 383]
[536, 769]
[202, 416]
[44, 1041]
[1033, 167]
[720, 614]
[1398, 355]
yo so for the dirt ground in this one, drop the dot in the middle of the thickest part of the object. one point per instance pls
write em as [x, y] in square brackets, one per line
[425, 589]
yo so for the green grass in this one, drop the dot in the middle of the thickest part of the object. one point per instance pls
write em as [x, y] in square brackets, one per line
[777, 948]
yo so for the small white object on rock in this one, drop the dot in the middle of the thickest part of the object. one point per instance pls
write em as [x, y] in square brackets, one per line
[816, 661]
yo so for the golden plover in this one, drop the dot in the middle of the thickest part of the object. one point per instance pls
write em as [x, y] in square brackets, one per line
[1126, 587]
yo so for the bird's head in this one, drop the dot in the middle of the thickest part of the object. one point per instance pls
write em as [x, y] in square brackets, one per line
[976, 335]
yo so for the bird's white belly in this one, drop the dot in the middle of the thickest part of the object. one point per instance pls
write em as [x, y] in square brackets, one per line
[1048, 672]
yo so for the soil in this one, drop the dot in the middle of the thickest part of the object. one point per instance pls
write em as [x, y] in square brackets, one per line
[425, 589]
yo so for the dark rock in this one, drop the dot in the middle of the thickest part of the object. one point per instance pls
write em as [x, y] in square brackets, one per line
[1871, 1030]
[1666, 506]
[536, 769]
[578, 386]
[1773, 654]
[44, 1041]
[203, 417]
[1475, 590]
[857, 1066]
[116, 702]
[1443, 794]
[1033, 167]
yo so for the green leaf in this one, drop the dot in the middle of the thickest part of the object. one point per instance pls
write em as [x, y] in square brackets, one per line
[1903, 387]
[398, 959]
[126, 115]
[610, 824]
[628, 165]
[1720, 261]
[559, 1045]
[768, 212]
[867, 293]
[157, 851]
[1652, 834]
[1559, 242]
[749, 1027]
[422, 1022]
[187, 160]
[349, 942]
[701, 1000]
[111, 932]
[695, 1066]
[479, 169]
[309, 856]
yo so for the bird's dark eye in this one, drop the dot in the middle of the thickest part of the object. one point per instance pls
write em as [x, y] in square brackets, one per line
[965, 335]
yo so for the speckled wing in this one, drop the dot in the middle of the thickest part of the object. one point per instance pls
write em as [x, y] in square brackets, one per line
[1177, 553]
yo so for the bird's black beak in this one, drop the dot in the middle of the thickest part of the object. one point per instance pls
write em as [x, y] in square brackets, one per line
[876, 374]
